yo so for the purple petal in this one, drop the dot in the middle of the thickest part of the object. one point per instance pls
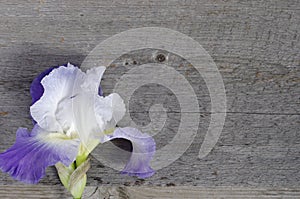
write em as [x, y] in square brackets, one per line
[100, 91]
[143, 150]
[33, 152]
[36, 88]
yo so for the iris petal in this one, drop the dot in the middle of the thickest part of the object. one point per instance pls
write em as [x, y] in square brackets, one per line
[36, 88]
[54, 86]
[33, 152]
[84, 117]
[109, 110]
[93, 114]
[92, 80]
[61, 83]
[143, 149]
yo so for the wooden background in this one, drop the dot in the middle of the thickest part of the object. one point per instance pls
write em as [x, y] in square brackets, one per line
[255, 45]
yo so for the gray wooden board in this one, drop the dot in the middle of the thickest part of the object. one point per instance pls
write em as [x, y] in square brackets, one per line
[142, 192]
[255, 45]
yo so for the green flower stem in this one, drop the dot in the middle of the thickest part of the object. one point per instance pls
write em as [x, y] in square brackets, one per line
[74, 176]
[82, 155]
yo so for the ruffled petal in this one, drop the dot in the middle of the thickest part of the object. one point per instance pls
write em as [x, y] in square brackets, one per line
[64, 116]
[84, 117]
[61, 83]
[33, 152]
[55, 88]
[92, 80]
[143, 149]
[109, 110]
[36, 88]
[93, 114]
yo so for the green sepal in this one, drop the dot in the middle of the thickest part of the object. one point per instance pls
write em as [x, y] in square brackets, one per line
[64, 173]
[74, 180]
[78, 179]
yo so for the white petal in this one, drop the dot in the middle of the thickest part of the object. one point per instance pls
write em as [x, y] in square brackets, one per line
[109, 110]
[94, 114]
[65, 117]
[61, 83]
[84, 117]
[92, 80]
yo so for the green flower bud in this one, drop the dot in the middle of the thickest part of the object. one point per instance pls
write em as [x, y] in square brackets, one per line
[74, 179]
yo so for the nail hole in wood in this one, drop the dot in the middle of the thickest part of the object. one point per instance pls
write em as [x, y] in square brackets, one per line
[160, 57]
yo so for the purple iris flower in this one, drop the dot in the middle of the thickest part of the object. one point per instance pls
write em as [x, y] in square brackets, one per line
[70, 112]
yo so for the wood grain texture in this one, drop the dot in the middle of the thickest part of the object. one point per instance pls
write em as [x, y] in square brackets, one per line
[123, 192]
[255, 45]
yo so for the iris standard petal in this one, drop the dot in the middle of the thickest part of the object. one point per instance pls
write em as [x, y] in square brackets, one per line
[61, 83]
[93, 114]
[64, 116]
[56, 86]
[36, 88]
[84, 117]
[92, 80]
[33, 152]
[109, 110]
[143, 149]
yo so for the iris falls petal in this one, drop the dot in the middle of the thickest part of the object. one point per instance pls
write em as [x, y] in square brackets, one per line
[143, 150]
[33, 152]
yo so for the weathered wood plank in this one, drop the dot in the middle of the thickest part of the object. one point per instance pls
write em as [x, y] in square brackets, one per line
[123, 192]
[25, 191]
